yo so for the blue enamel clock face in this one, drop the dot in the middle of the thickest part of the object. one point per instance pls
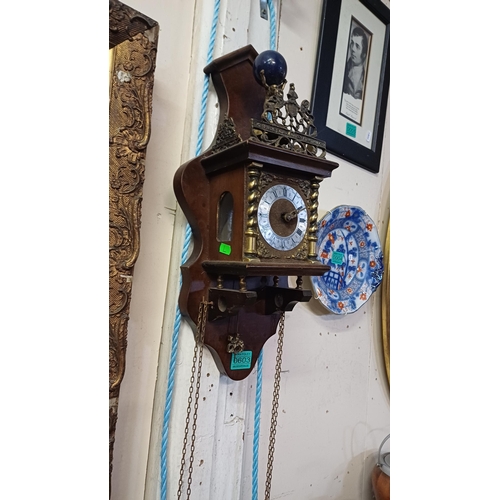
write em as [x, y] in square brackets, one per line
[282, 217]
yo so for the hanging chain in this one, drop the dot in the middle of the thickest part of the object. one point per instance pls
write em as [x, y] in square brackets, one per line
[196, 376]
[274, 414]
[197, 363]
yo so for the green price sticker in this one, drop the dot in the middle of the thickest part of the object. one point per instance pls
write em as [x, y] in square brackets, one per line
[225, 249]
[337, 257]
[350, 130]
[241, 360]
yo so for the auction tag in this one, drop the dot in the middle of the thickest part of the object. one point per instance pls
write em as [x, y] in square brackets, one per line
[241, 360]
[350, 129]
[225, 249]
[337, 257]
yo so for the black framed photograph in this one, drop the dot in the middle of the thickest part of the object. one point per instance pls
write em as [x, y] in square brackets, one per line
[351, 84]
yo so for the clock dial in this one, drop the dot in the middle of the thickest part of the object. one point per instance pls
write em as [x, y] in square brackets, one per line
[282, 217]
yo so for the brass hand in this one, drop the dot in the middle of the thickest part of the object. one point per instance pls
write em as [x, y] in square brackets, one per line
[293, 214]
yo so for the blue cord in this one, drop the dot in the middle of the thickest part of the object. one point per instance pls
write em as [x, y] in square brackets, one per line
[258, 387]
[187, 241]
[256, 429]
[272, 21]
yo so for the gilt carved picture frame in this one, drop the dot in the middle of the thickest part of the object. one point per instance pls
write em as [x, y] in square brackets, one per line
[133, 39]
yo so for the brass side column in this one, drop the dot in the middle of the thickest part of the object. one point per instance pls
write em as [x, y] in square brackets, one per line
[250, 247]
[313, 220]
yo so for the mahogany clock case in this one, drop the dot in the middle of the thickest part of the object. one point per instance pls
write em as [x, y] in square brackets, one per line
[242, 276]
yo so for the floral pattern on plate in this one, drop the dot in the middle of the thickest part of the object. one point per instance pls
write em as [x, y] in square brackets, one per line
[348, 242]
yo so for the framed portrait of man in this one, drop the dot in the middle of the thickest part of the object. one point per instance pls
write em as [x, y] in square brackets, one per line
[351, 84]
[355, 71]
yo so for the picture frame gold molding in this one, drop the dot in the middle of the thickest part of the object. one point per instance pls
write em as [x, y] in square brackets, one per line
[133, 37]
[386, 305]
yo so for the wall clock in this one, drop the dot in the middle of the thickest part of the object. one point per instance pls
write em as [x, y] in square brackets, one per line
[251, 200]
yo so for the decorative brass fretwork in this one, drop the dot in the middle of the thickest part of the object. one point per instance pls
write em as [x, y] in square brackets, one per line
[286, 124]
[235, 344]
[300, 252]
[267, 179]
[226, 136]
[134, 39]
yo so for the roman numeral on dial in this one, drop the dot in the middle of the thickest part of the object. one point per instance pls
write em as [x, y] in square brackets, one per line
[298, 214]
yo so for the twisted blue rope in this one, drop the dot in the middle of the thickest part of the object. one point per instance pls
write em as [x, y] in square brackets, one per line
[184, 255]
[206, 81]
[256, 429]
[272, 21]
[258, 387]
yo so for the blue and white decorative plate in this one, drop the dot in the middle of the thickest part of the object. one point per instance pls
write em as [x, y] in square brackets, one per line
[348, 242]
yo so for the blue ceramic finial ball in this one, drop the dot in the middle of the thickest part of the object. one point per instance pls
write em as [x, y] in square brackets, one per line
[274, 66]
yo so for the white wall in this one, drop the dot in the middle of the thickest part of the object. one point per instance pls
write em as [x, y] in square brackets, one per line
[334, 401]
